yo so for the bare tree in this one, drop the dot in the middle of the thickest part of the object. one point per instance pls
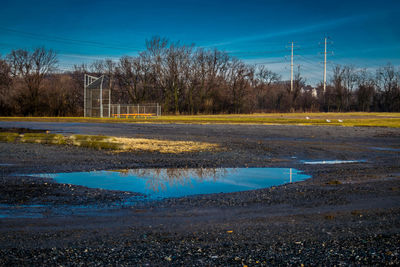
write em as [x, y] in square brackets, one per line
[388, 84]
[266, 76]
[365, 91]
[59, 95]
[154, 56]
[215, 90]
[265, 88]
[31, 67]
[238, 80]
[339, 86]
[5, 88]
[349, 83]
[127, 75]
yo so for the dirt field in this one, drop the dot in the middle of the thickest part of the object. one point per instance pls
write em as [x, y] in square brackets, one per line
[346, 214]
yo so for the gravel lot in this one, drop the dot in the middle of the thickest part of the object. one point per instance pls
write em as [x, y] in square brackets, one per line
[346, 214]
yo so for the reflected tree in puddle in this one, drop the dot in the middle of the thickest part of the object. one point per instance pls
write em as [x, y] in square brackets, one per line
[158, 180]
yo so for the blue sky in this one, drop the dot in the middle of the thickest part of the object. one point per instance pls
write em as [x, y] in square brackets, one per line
[363, 33]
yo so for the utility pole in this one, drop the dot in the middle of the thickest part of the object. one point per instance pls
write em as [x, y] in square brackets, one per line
[325, 65]
[291, 70]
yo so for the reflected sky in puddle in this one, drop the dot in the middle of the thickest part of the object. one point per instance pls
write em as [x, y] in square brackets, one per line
[165, 183]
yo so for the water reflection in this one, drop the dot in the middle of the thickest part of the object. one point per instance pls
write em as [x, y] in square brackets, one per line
[160, 179]
[178, 182]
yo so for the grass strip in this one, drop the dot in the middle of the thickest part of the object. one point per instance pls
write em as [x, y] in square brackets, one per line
[116, 144]
[353, 119]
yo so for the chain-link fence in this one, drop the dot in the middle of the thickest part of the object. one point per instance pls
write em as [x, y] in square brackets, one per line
[97, 102]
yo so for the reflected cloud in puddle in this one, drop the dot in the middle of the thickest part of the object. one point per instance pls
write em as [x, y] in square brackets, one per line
[166, 183]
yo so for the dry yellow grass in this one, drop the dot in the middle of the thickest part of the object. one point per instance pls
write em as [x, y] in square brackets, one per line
[163, 146]
[116, 144]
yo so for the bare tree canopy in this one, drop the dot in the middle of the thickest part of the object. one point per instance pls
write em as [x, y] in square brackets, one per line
[186, 79]
[5, 87]
[31, 67]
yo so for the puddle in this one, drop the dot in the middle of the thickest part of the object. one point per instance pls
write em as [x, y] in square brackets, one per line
[156, 184]
[317, 162]
[386, 149]
[165, 183]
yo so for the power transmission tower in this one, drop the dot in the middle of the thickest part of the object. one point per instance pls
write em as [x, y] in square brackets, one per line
[291, 70]
[325, 67]
[325, 62]
[291, 65]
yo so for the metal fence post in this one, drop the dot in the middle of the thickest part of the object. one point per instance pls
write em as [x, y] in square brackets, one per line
[84, 97]
[101, 97]
[109, 103]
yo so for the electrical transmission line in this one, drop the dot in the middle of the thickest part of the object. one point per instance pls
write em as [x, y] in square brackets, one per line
[68, 41]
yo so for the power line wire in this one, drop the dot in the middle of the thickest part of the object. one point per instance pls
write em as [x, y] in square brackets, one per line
[68, 40]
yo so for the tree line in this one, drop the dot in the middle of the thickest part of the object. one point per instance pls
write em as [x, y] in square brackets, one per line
[187, 80]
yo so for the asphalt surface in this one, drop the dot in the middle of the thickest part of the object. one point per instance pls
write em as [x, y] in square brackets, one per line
[346, 214]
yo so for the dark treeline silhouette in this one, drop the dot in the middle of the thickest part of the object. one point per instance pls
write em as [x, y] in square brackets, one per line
[187, 80]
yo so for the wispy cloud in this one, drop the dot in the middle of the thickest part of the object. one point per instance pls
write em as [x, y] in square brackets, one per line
[89, 57]
[325, 25]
